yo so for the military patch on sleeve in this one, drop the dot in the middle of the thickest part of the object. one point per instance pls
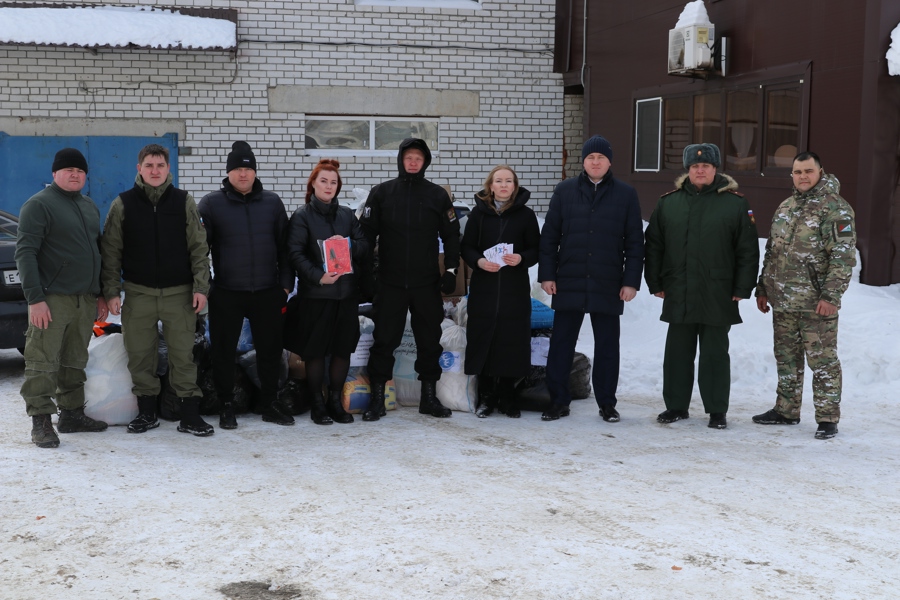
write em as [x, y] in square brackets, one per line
[844, 229]
[752, 218]
[367, 212]
[451, 215]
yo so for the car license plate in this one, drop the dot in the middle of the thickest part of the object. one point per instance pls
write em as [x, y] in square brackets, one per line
[11, 277]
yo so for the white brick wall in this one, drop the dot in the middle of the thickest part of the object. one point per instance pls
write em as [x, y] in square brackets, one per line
[502, 51]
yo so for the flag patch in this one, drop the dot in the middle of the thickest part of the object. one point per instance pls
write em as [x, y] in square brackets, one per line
[752, 218]
[845, 229]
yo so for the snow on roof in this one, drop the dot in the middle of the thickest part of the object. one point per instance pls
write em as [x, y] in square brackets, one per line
[694, 13]
[114, 26]
[893, 53]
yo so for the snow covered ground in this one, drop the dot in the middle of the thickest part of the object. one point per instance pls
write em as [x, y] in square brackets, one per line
[414, 507]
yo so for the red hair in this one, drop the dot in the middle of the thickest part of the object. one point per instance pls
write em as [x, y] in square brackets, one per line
[325, 164]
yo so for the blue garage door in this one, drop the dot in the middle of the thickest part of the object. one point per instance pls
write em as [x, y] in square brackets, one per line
[25, 163]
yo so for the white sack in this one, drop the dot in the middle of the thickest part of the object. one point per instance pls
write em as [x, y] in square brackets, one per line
[107, 390]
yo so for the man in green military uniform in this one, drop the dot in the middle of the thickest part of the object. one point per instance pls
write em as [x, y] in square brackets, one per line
[809, 257]
[153, 239]
[58, 256]
[702, 255]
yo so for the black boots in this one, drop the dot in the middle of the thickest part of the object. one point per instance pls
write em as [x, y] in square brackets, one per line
[506, 391]
[773, 417]
[826, 431]
[317, 411]
[227, 420]
[146, 418]
[376, 408]
[717, 421]
[429, 403]
[487, 396]
[191, 422]
[75, 421]
[273, 413]
[42, 433]
[670, 416]
[336, 408]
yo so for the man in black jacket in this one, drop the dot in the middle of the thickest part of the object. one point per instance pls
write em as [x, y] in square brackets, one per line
[246, 228]
[406, 215]
[591, 257]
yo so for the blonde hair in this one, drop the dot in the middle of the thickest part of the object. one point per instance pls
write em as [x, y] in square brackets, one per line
[488, 196]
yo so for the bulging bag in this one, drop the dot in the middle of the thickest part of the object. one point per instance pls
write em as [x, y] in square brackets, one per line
[107, 390]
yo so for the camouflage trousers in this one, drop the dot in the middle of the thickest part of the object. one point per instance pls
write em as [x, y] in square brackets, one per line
[799, 334]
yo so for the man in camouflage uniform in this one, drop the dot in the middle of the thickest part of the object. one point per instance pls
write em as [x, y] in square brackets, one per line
[809, 258]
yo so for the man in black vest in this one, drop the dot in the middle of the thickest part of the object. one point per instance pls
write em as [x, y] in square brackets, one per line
[154, 241]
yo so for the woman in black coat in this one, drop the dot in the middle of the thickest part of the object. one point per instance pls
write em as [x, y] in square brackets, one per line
[498, 334]
[328, 324]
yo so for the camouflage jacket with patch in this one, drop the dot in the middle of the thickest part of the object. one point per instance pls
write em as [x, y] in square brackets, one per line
[811, 249]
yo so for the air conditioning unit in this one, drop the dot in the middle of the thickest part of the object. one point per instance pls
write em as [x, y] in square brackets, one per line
[690, 50]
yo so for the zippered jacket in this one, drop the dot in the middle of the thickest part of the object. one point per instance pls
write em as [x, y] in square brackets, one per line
[405, 216]
[592, 244]
[811, 249]
[319, 221]
[58, 245]
[702, 250]
[166, 243]
[247, 235]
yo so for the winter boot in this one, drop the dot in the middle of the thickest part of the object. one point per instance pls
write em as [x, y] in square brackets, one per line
[273, 413]
[506, 388]
[717, 421]
[75, 421]
[826, 431]
[487, 396]
[317, 411]
[376, 408]
[670, 416]
[227, 419]
[191, 421]
[336, 408]
[429, 403]
[773, 417]
[42, 433]
[146, 418]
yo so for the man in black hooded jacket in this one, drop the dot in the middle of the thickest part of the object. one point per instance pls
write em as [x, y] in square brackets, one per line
[406, 215]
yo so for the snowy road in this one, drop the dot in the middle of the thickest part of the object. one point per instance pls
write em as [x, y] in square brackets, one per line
[414, 507]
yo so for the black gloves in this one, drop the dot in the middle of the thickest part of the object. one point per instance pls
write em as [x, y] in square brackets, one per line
[448, 281]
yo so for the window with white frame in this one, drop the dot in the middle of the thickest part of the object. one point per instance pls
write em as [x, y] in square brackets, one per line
[353, 136]
[647, 134]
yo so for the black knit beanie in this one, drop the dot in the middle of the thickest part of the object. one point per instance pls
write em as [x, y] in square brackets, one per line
[240, 156]
[69, 157]
[599, 144]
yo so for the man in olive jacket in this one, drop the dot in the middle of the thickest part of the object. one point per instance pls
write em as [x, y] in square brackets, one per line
[154, 241]
[58, 256]
[702, 255]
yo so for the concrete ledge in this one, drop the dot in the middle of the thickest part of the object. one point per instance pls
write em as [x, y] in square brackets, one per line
[69, 127]
[368, 101]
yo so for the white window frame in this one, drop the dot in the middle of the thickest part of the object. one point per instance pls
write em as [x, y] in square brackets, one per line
[637, 126]
[328, 152]
[464, 4]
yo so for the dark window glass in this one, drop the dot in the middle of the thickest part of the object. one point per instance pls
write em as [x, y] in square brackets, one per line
[742, 131]
[708, 119]
[676, 131]
[782, 126]
[646, 153]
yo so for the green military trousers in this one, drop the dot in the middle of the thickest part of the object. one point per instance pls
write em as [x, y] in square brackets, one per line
[55, 357]
[714, 370]
[806, 333]
[142, 310]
